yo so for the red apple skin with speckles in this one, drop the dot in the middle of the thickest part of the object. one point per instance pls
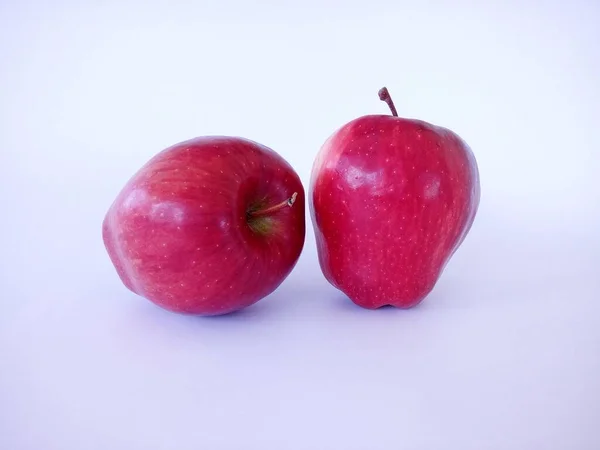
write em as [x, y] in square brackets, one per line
[391, 200]
[179, 233]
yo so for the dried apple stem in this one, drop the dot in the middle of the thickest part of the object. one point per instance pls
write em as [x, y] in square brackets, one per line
[384, 95]
[271, 209]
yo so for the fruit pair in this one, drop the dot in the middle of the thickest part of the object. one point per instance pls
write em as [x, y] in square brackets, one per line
[214, 224]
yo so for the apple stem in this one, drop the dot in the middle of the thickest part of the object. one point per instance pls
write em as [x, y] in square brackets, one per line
[384, 96]
[271, 209]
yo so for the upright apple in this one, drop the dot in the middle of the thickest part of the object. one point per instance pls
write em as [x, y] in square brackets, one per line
[207, 226]
[391, 200]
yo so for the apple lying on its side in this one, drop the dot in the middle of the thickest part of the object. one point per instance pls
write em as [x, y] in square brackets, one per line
[391, 200]
[208, 226]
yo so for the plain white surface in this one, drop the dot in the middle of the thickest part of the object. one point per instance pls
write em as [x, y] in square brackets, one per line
[504, 354]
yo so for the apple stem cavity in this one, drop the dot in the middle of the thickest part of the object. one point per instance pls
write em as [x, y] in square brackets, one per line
[384, 96]
[271, 209]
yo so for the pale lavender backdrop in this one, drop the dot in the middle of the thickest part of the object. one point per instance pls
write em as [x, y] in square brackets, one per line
[504, 354]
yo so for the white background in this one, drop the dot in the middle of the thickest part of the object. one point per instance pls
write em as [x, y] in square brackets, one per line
[504, 354]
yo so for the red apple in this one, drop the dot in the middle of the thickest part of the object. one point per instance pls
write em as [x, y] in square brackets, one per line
[207, 226]
[391, 200]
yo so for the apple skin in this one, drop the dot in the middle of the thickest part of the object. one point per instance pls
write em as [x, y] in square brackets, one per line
[179, 233]
[391, 200]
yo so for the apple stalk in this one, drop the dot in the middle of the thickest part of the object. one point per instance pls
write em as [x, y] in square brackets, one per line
[384, 96]
[271, 209]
